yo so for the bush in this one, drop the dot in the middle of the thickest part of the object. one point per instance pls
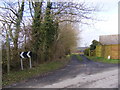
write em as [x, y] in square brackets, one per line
[86, 52]
[92, 53]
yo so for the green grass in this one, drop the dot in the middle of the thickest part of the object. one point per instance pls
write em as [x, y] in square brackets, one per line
[77, 55]
[100, 59]
[68, 56]
[14, 77]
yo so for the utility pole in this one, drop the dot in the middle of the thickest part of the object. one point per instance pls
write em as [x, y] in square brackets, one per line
[7, 49]
[8, 55]
[8, 52]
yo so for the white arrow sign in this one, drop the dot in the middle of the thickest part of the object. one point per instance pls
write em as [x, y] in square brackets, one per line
[28, 54]
[25, 55]
[22, 54]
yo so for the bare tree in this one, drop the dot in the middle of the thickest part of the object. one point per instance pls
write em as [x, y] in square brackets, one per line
[74, 12]
[13, 15]
[6, 27]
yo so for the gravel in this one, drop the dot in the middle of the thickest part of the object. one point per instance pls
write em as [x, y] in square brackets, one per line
[76, 74]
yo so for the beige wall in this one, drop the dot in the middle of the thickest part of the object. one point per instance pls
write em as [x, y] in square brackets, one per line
[106, 50]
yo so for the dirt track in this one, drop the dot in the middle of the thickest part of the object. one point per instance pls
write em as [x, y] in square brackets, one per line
[108, 79]
[76, 74]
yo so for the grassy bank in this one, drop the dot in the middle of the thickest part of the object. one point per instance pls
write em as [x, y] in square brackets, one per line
[100, 59]
[14, 77]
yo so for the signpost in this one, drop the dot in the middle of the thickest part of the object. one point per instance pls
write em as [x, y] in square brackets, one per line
[28, 54]
[25, 55]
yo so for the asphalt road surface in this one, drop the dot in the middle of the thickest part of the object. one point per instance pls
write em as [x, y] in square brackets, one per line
[77, 74]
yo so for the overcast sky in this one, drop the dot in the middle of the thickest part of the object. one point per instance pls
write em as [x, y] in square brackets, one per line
[108, 25]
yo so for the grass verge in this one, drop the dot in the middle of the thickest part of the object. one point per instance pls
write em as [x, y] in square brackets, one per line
[101, 59]
[14, 77]
[77, 55]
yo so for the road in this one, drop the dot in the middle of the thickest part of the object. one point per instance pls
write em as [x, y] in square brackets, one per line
[77, 74]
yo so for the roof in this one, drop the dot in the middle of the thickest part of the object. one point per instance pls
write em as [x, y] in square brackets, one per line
[109, 39]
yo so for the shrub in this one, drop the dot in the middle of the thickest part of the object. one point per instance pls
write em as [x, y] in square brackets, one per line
[86, 52]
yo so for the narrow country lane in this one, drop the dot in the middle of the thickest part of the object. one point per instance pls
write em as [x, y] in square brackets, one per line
[77, 74]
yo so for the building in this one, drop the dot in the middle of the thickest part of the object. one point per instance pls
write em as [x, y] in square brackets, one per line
[110, 46]
[109, 39]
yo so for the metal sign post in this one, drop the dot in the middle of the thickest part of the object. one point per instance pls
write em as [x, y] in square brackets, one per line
[30, 62]
[26, 55]
[21, 55]
[21, 64]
